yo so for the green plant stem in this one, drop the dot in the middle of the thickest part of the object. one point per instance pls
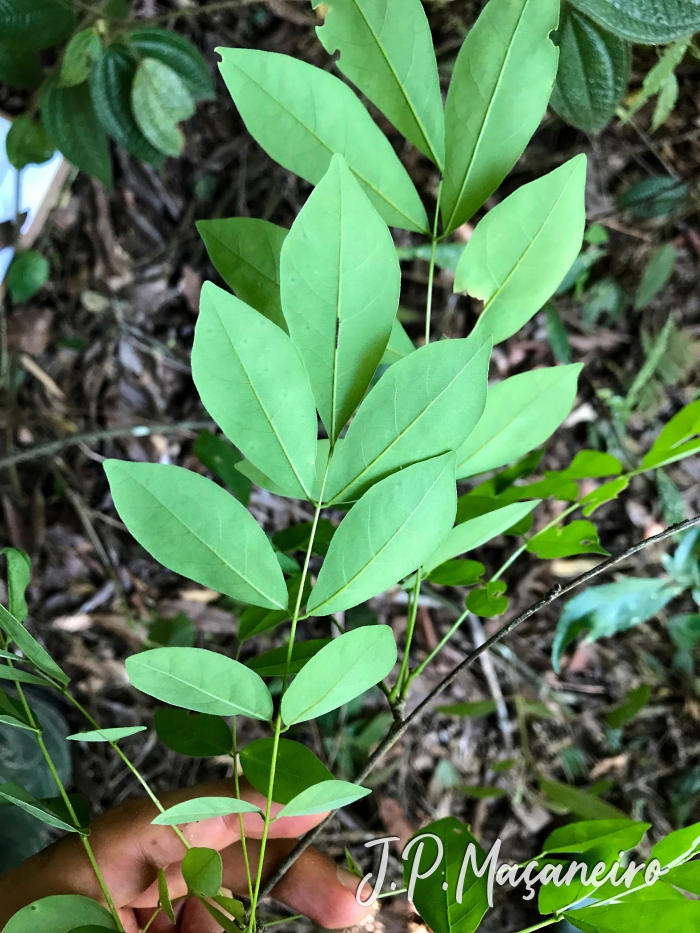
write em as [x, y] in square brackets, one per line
[431, 267]
[402, 681]
[151, 920]
[437, 649]
[69, 806]
[543, 923]
[523, 547]
[244, 845]
[134, 770]
[285, 679]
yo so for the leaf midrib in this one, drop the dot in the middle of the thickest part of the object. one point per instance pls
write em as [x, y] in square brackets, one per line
[274, 282]
[248, 712]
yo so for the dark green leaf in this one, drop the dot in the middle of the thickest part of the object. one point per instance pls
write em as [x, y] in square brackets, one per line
[578, 537]
[200, 680]
[301, 116]
[19, 571]
[15, 794]
[21, 677]
[594, 68]
[178, 53]
[27, 143]
[237, 360]
[19, 65]
[245, 252]
[195, 735]
[475, 709]
[203, 808]
[656, 275]
[274, 663]
[27, 275]
[616, 834]
[72, 124]
[35, 24]
[498, 94]
[161, 101]
[519, 252]
[340, 283]
[677, 439]
[386, 49]
[645, 21]
[436, 896]
[602, 611]
[343, 670]
[447, 255]
[111, 79]
[328, 795]
[488, 601]
[164, 896]
[197, 529]
[255, 621]
[30, 648]
[60, 913]
[391, 531]
[215, 453]
[202, 870]
[520, 414]
[557, 334]
[81, 52]
[297, 537]
[457, 572]
[178, 632]
[654, 197]
[424, 404]
[297, 768]
[581, 804]
[635, 701]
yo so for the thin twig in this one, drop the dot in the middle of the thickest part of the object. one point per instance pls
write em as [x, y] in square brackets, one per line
[400, 728]
[93, 437]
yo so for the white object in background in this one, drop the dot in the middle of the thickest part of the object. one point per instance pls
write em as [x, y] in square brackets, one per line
[39, 187]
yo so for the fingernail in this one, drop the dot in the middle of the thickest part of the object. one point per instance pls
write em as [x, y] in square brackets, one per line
[347, 879]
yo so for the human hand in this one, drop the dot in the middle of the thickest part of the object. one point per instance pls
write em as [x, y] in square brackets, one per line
[130, 850]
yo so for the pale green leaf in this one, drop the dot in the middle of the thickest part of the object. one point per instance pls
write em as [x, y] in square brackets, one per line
[340, 283]
[519, 253]
[160, 101]
[200, 680]
[174, 50]
[19, 571]
[394, 527]
[477, 531]
[343, 670]
[498, 94]
[252, 381]
[521, 413]
[301, 116]
[246, 253]
[202, 870]
[29, 647]
[197, 529]
[197, 736]
[386, 49]
[106, 735]
[328, 795]
[424, 404]
[60, 913]
[665, 105]
[203, 808]
[82, 50]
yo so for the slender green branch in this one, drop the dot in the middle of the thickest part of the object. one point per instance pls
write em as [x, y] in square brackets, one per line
[431, 267]
[437, 649]
[151, 920]
[244, 845]
[403, 680]
[543, 923]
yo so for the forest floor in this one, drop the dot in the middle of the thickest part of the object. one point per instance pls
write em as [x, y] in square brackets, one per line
[108, 344]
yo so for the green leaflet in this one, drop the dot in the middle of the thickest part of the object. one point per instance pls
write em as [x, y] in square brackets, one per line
[424, 404]
[245, 252]
[498, 94]
[80, 54]
[394, 527]
[386, 49]
[471, 534]
[328, 795]
[252, 381]
[60, 913]
[106, 735]
[488, 601]
[646, 21]
[14, 793]
[301, 116]
[202, 870]
[111, 79]
[19, 572]
[72, 124]
[521, 413]
[196, 528]
[343, 670]
[297, 768]
[340, 283]
[160, 101]
[222, 458]
[663, 915]
[30, 648]
[581, 837]
[436, 896]
[656, 275]
[198, 736]
[677, 439]
[594, 68]
[203, 808]
[27, 143]
[523, 248]
[578, 537]
[200, 680]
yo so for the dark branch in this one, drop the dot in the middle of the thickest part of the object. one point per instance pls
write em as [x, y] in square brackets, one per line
[399, 729]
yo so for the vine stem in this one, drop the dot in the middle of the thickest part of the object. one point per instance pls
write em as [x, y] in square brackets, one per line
[541, 924]
[400, 728]
[236, 781]
[285, 679]
[431, 267]
[402, 682]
